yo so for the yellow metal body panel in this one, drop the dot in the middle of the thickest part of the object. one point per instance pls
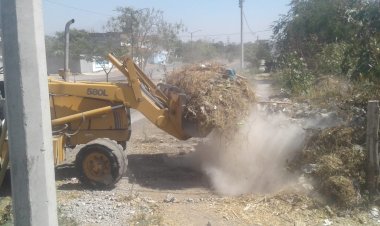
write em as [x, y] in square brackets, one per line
[113, 124]
[58, 144]
[58, 149]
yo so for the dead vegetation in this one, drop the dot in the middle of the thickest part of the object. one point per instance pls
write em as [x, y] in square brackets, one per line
[338, 166]
[216, 97]
[337, 154]
[5, 212]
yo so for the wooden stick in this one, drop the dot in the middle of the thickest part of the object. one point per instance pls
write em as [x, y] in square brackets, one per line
[273, 102]
[372, 147]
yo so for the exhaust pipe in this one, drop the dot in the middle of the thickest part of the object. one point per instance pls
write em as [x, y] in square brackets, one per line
[67, 41]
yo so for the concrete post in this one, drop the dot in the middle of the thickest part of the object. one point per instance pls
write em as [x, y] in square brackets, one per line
[28, 117]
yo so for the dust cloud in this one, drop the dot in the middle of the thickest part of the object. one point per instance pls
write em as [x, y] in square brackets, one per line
[255, 158]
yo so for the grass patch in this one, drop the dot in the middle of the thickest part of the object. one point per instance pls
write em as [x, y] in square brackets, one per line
[6, 216]
[147, 219]
[64, 221]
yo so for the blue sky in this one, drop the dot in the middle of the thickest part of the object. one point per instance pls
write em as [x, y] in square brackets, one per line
[217, 20]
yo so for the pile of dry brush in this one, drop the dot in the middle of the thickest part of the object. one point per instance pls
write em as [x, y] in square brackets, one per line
[216, 100]
[339, 162]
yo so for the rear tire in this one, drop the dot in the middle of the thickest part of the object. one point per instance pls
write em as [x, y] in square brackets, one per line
[101, 163]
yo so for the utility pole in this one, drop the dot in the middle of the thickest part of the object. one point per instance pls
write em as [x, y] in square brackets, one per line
[191, 35]
[28, 117]
[191, 42]
[241, 35]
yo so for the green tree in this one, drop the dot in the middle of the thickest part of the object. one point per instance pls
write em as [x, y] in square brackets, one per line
[147, 30]
[309, 25]
[204, 50]
[340, 34]
[259, 50]
[88, 46]
[363, 55]
[80, 45]
[103, 44]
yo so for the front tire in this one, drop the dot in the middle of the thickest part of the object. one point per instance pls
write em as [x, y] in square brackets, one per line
[101, 163]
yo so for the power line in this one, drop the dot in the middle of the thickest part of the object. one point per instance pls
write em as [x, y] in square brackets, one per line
[249, 28]
[246, 21]
[79, 9]
[226, 34]
[215, 35]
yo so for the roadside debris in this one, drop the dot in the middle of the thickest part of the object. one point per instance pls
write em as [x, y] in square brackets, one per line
[334, 159]
[170, 198]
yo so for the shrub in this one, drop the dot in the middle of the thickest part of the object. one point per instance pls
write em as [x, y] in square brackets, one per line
[295, 74]
[330, 59]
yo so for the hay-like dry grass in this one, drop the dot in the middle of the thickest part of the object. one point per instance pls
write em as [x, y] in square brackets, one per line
[341, 190]
[340, 163]
[215, 100]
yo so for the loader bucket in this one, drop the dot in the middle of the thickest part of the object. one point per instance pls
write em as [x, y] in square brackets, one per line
[189, 127]
[192, 129]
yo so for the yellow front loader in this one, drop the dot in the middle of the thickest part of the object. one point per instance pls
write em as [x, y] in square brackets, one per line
[96, 115]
